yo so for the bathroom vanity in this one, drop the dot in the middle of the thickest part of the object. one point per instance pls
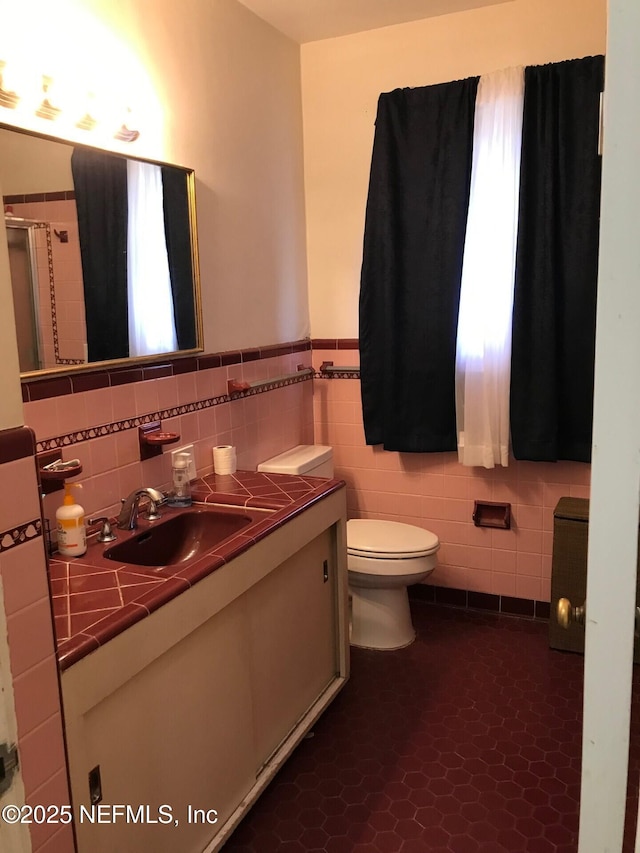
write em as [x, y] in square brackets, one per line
[182, 719]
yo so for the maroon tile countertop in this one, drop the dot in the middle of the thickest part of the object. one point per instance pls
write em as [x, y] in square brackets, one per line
[95, 598]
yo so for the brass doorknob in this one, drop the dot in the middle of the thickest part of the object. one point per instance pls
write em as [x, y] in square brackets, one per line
[566, 613]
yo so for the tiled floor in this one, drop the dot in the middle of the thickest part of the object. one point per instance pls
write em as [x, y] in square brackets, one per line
[468, 741]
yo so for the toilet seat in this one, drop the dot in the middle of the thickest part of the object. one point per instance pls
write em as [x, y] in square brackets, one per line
[389, 540]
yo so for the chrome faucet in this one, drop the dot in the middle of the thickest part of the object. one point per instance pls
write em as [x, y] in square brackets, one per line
[128, 517]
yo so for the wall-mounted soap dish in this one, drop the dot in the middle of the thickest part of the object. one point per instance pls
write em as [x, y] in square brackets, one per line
[492, 514]
[152, 439]
[53, 470]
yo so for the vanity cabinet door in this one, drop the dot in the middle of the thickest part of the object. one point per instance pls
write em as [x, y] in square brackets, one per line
[293, 635]
[175, 735]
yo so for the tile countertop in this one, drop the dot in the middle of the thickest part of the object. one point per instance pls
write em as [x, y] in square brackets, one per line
[94, 599]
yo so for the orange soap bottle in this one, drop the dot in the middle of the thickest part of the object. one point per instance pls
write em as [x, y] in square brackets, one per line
[72, 532]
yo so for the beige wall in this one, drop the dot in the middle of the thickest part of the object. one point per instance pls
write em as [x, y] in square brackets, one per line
[341, 81]
[29, 164]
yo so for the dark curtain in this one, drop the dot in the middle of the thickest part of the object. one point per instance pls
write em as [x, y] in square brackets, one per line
[178, 235]
[553, 345]
[100, 183]
[412, 265]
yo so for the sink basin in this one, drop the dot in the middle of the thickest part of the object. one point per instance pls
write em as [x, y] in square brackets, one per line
[183, 537]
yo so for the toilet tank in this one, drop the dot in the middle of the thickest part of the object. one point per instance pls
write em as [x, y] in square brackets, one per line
[315, 460]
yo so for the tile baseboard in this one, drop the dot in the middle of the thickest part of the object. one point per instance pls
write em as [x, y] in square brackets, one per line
[505, 604]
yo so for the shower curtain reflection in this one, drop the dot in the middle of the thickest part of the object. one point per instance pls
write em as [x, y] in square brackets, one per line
[100, 184]
[124, 229]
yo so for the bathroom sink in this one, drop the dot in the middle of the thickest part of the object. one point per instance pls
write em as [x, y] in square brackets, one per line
[183, 537]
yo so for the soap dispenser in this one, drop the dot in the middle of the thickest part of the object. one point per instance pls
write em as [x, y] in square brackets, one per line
[180, 494]
[72, 533]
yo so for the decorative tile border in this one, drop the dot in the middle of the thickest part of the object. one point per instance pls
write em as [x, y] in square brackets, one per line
[336, 373]
[52, 298]
[272, 384]
[342, 344]
[20, 534]
[82, 435]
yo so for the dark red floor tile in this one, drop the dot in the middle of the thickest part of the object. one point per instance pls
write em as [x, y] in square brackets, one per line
[383, 821]
[287, 810]
[388, 842]
[434, 836]
[339, 845]
[361, 833]
[309, 800]
[456, 824]
[336, 825]
[473, 812]
[289, 830]
[408, 829]
[511, 839]
[430, 816]
[541, 845]
[354, 794]
[314, 839]
[440, 787]
[401, 809]
[311, 818]
[467, 741]
[463, 844]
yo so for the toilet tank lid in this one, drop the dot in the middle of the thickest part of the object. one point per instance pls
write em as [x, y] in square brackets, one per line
[366, 535]
[297, 460]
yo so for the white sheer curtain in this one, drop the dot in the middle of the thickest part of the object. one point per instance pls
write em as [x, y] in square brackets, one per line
[483, 350]
[151, 319]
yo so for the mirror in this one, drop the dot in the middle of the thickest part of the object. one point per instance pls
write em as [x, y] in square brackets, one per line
[102, 252]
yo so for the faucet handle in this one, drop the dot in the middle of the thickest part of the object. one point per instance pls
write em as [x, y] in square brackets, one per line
[106, 533]
[154, 502]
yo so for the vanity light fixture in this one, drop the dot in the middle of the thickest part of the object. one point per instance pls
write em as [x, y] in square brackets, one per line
[87, 122]
[8, 99]
[48, 107]
[126, 135]
[123, 133]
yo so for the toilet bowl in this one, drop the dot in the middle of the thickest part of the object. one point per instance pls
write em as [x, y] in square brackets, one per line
[383, 558]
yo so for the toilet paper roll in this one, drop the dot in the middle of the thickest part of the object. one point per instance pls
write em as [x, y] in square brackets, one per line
[224, 459]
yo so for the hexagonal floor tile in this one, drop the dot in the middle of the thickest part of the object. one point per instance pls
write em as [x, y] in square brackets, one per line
[467, 741]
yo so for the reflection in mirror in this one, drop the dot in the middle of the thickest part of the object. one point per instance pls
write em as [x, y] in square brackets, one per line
[102, 252]
[21, 237]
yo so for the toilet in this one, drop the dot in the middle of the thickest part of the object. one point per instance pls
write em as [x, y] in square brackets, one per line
[383, 558]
